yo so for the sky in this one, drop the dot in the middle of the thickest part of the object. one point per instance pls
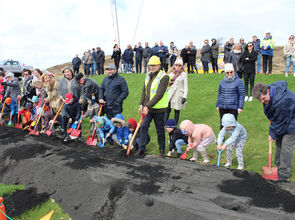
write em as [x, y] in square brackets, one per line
[47, 33]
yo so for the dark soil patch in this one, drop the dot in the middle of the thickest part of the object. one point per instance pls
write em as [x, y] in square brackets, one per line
[25, 151]
[23, 200]
[265, 194]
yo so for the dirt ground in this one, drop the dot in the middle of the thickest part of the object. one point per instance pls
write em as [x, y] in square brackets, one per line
[90, 184]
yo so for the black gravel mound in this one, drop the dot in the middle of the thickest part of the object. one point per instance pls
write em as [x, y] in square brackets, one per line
[93, 183]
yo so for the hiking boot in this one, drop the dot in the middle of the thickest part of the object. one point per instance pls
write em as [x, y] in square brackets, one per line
[227, 165]
[139, 153]
[162, 152]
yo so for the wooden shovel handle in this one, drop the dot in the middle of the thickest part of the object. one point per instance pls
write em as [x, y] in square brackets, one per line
[57, 114]
[270, 154]
[134, 135]
[2, 110]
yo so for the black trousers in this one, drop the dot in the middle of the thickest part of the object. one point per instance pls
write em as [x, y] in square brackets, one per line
[248, 76]
[117, 62]
[100, 68]
[214, 65]
[172, 60]
[164, 64]
[85, 69]
[225, 111]
[143, 132]
[176, 115]
[267, 59]
[205, 66]
[138, 63]
[190, 66]
[76, 70]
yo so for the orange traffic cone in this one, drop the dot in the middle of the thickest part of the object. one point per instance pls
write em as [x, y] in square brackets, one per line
[2, 210]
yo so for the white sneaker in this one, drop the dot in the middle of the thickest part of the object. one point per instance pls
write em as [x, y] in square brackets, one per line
[286, 74]
[206, 161]
[169, 154]
[246, 98]
[227, 165]
[240, 167]
[193, 159]
[294, 74]
[250, 99]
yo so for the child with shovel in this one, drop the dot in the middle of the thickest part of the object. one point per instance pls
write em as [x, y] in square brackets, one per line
[104, 131]
[11, 110]
[237, 138]
[121, 134]
[200, 136]
[92, 110]
[72, 110]
[176, 137]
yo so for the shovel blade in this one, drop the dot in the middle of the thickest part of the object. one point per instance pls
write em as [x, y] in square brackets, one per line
[183, 156]
[69, 130]
[75, 133]
[48, 132]
[91, 142]
[18, 126]
[32, 132]
[270, 173]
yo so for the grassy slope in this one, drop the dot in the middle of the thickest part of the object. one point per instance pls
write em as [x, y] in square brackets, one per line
[201, 109]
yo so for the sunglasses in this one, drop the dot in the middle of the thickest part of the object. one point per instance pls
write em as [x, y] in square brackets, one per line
[178, 65]
[229, 72]
[26, 74]
[250, 45]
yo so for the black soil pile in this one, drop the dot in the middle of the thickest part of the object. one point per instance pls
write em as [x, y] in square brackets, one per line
[23, 200]
[94, 183]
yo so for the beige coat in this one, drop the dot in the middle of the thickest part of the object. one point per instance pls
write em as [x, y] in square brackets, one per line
[54, 99]
[178, 90]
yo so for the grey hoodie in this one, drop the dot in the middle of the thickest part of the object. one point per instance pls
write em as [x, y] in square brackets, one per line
[238, 135]
[13, 89]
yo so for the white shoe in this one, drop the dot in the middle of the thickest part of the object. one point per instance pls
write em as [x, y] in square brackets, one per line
[206, 161]
[246, 98]
[294, 74]
[227, 165]
[240, 167]
[193, 159]
[250, 99]
[286, 74]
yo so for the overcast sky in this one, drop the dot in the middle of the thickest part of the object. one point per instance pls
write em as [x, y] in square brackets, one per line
[46, 33]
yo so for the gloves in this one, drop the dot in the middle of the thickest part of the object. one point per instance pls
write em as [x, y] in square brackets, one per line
[183, 100]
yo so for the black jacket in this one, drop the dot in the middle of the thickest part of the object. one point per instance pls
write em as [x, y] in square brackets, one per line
[28, 90]
[76, 62]
[139, 52]
[116, 54]
[193, 53]
[113, 90]
[147, 52]
[249, 60]
[184, 55]
[100, 57]
[90, 87]
[73, 110]
[175, 135]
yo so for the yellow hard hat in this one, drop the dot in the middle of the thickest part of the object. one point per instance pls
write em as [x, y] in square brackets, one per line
[154, 60]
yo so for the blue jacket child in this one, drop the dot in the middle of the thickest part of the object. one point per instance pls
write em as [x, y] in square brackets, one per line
[105, 129]
[12, 110]
[237, 138]
[122, 132]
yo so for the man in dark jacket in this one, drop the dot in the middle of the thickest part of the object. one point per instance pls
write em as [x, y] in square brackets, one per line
[184, 55]
[192, 55]
[155, 49]
[113, 91]
[227, 49]
[153, 105]
[76, 62]
[163, 55]
[147, 53]
[72, 111]
[89, 89]
[279, 107]
[138, 57]
[100, 59]
[256, 43]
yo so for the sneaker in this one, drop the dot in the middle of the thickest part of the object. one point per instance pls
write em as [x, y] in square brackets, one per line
[67, 138]
[193, 159]
[250, 99]
[286, 74]
[246, 98]
[240, 167]
[206, 161]
[169, 154]
[294, 74]
[227, 165]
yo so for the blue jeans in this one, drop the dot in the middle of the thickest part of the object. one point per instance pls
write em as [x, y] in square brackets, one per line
[94, 67]
[178, 144]
[88, 69]
[288, 64]
[258, 63]
[127, 67]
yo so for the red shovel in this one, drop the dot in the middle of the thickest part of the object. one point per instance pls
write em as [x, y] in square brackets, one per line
[91, 141]
[18, 125]
[269, 172]
[35, 132]
[76, 132]
[2, 113]
[183, 156]
[49, 131]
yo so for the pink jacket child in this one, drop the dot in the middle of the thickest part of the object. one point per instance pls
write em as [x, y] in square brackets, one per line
[200, 136]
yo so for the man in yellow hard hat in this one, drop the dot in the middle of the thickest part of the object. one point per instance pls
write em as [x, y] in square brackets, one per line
[153, 105]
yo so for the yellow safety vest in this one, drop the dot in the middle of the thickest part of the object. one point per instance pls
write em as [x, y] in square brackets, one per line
[268, 42]
[164, 101]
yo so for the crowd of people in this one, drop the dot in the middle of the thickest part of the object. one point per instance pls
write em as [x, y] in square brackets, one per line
[79, 97]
